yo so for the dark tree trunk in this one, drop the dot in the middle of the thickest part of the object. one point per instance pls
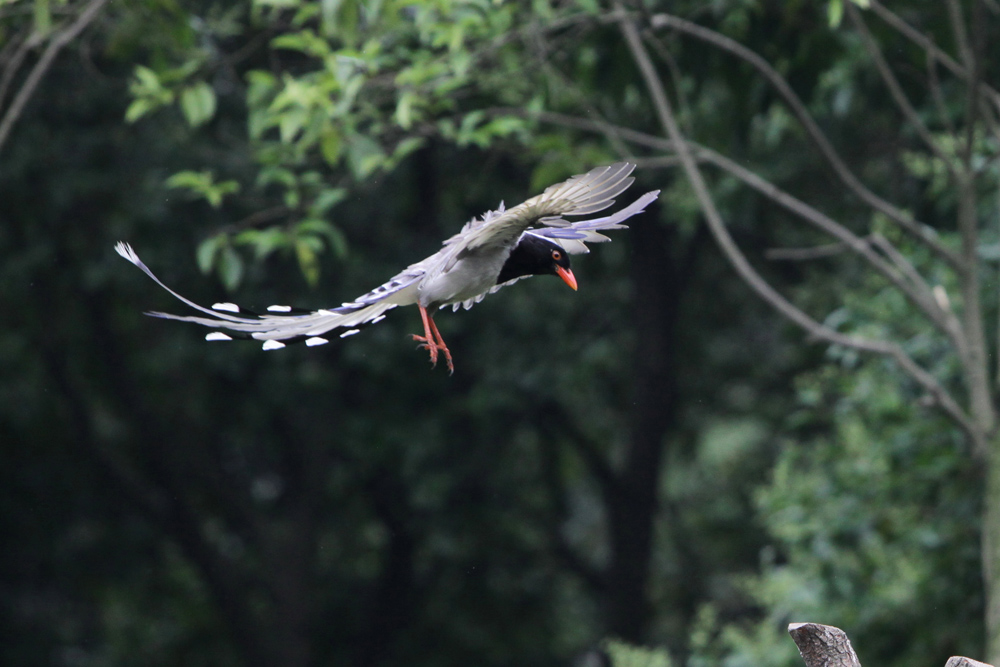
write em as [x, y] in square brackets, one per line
[633, 502]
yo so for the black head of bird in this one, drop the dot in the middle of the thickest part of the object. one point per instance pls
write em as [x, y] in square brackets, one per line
[535, 256]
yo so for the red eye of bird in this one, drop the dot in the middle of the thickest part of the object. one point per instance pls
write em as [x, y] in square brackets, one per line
[556, 255]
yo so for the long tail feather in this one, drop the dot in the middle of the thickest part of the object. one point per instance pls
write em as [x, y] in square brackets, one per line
[272, 329]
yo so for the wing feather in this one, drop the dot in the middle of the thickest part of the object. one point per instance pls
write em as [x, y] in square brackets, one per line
[579, 195]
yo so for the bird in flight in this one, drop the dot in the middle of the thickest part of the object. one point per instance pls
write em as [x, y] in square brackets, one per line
[489, 253]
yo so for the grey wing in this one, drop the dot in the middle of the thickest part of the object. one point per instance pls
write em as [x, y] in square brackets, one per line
[575, 236]
[272, 329]
[580, 195]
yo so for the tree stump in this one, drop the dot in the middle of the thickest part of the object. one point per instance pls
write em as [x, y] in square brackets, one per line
[823, 645]
[827, 646]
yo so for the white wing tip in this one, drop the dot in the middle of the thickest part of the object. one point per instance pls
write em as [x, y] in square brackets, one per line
[272, 345]
[279, 309]
[349, 332]
[217, 335]
[226, 306]
[316, 340]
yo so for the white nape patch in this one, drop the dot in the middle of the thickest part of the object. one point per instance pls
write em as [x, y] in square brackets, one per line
[273, 345]
[279, 309]
[349, 332]
[377, 319]
[316, 340]
[217, 335]
[229, 307]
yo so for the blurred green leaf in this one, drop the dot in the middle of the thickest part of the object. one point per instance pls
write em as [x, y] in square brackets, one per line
[202, 184]
[305, 250]
[334, 237]
[230, 267]
[207, 251]
[198, 103]
[264, 241]
[834, 12]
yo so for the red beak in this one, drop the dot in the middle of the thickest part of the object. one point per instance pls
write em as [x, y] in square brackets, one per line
[567, 276]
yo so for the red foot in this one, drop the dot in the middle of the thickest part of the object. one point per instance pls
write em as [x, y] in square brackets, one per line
[432, 340]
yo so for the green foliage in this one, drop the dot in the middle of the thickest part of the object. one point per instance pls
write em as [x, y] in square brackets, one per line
[203, 185]
[625, 655]
[162, 496]
[373, 82]
[865, 536]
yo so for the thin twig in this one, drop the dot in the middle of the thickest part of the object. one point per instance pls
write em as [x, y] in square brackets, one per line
[254, 219]
[668, 59]
[928, 45]
[961, 34]
[896, 90]
[743, 267]
[935, 85]
[805, 254]
[899, 260]
[13, 64]
[919, 230]
[918, 38]
[56, 44]
[658, 162]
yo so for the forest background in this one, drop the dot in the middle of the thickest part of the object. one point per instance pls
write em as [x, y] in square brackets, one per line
[773, 399]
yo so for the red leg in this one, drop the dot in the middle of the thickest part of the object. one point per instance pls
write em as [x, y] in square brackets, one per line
[428, 338]
[442, 346]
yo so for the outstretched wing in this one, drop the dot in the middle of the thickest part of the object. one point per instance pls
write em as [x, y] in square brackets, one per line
[580, 195]
[309, 327]
[575, 236]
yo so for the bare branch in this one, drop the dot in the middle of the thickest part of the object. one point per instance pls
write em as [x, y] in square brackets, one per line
[935, 86]
[675, 75]
[958, 29]
[254, 219]
[56, 44]
[896, 90]
[928, 45]
[657, 162]
[805, 254]
[900, 260]
[919, 230]
[12, 56]
[739, 261]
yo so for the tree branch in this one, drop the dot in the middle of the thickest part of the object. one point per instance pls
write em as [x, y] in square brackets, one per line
[957, 21]
[928, 45]
[56, 44]
[739, 262]
[805, 254]
[919, 230]
[13, 54]
[896, 90]
[935, 85]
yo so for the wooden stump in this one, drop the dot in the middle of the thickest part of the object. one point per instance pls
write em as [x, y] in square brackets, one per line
[827, 646]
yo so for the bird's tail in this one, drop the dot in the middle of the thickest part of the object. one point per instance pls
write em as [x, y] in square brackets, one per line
[274, 329]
